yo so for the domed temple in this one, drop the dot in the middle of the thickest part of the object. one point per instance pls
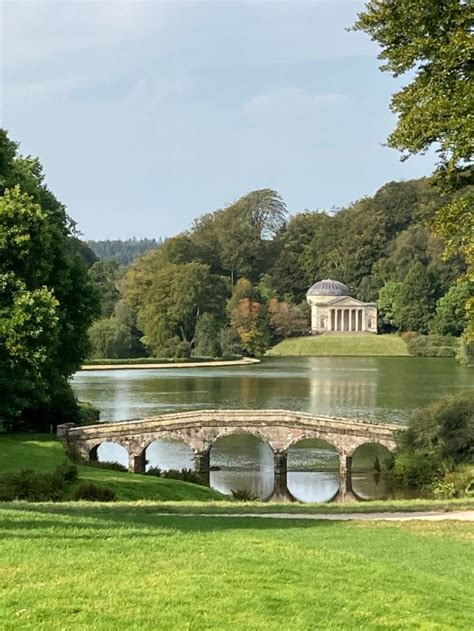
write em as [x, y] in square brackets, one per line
[334, 309]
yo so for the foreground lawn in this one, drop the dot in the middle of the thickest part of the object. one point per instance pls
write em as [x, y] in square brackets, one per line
[108, 567]
[347, 344]
[43, 453]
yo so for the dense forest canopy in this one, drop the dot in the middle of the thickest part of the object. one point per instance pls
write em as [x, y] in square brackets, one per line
[124, 252]
[236, 280]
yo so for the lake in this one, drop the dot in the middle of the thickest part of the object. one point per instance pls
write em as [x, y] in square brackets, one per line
[387, 389]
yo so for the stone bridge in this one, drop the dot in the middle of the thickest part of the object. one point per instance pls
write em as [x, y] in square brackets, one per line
[280, 429]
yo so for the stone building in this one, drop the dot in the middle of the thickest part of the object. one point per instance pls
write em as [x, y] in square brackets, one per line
[334, 309]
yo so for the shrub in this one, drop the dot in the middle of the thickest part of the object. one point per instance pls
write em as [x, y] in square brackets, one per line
[244, 495]
[456, 483]
[438, 440]
[88, 413]
[32, 486]
[431, 345]
[94, 493]
[186, 475]
[156, 471]
[105, 464]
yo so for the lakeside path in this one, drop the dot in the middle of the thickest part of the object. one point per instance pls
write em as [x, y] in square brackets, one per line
[460, 515]
[245, 361]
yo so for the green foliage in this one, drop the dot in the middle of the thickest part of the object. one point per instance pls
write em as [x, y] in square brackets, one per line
[105, 464]
[455, 484]
[47, 301]
[94, 493]
[105, 276]
[433, 42]
[110, 339]
[207, 336]
[431, 345]
[123, 252]
[451, 313]
[438, 438]
[172, 299]
[33, 486]
[229, 341]
[414, 303]
[186, 475]
[386, 303]
[244, 495]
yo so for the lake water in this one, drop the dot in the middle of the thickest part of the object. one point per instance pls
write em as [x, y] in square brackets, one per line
[387, 389]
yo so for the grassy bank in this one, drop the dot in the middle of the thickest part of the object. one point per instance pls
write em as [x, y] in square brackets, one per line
[85, 566]
[44, 453]
[344, 344]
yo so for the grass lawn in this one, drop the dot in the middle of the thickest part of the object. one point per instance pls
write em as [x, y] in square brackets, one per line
[44, 453]
[120, 566]
[344, 344]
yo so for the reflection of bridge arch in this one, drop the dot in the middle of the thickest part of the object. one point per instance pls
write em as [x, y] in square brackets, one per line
[199, 430]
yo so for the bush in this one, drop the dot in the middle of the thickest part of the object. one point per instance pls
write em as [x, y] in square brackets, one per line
[32, 486]
[105, 464]
[156, 471]
[243, 495]
[94, 493]
[88, 413]
[438, 440]
[431, 345]
[186, 475]
[456, 483]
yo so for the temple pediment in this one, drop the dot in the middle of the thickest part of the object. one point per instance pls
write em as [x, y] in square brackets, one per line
[347, 301]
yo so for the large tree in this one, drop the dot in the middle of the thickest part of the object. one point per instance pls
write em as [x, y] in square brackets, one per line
[47, 301]
[432, 41]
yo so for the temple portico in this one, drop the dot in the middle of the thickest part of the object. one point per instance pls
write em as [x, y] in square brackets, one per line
[334, 309]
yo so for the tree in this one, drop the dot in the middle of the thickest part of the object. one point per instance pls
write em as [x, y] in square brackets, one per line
[47, 301]
[206, 337]
[387, 301]
[414, 304]
[173, 299]
[104, 275]
[110, 339]
[433, 42]
[451, 315]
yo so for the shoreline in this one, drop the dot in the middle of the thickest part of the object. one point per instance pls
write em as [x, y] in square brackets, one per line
[245, 361]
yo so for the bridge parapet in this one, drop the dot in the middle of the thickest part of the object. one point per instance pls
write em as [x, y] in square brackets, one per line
[280, 429]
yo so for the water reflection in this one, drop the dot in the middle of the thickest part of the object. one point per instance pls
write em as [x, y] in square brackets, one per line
[381, 388]
[111, 452]
[169, 454]
[368, 481]
[313, 471]
[241, 462]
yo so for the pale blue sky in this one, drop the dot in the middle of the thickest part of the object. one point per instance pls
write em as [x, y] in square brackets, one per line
[148, 114]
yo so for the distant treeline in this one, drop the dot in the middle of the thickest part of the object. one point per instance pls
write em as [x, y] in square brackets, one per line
[236, 281]
[124, 252]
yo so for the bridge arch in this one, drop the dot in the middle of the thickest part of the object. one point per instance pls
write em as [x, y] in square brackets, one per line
[110, 451]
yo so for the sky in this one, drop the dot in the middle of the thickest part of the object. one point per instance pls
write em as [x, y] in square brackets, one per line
[146, 115]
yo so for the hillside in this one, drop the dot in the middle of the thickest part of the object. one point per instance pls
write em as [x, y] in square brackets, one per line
[344, 344]
[44, 453]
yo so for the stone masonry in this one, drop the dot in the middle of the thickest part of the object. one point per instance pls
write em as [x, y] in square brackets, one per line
[200, 429]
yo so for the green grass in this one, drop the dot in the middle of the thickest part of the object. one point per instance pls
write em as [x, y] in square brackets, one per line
[346, 344]
[44, 453]
[113, 567]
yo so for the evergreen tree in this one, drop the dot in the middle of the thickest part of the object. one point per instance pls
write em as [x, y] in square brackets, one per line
[414, 303]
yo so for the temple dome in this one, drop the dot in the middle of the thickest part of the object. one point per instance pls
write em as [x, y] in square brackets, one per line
[328, 287]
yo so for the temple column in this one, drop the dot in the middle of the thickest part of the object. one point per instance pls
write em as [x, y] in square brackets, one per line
[359, 319]
[202, 460]
[137, 462]
[364, 320]
[331, 319]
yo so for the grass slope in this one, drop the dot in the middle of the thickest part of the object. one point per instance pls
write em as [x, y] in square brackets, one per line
[112, 567]
[344, 344]
[44, 453]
